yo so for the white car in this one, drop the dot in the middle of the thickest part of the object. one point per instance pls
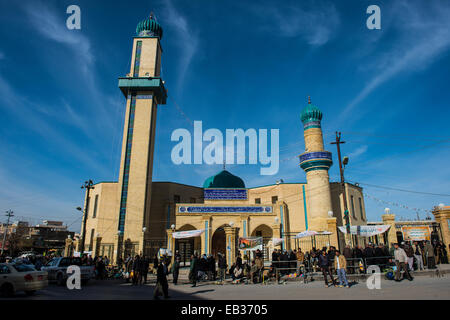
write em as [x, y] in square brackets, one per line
[20, 277]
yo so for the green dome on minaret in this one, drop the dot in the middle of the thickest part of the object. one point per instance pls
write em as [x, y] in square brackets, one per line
[149, 28]
[224, 179]
[311, 116]
[311, 113]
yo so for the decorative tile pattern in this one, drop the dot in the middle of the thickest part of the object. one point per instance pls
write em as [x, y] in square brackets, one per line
[137, 59]
[315, 155]
[126, 169]
[222, 209]
[225, 194]
[144, 96]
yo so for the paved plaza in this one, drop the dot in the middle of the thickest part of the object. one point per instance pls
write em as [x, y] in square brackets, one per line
[423, 287]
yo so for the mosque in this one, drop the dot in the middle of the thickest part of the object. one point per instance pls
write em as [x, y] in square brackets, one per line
[137, 215]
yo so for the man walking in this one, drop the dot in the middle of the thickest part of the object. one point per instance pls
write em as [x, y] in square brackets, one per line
[136, 268]
[340, 264]
[193, 270]
[324, 265]
[410, 254]
[161, 281]
[418, 254]
[401, 260]
[429, 253]
[222, 265]
[145, 266]
[176, 268]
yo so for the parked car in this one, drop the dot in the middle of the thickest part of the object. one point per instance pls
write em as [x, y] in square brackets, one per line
[57, 269]
[24, 261]
[16, 277]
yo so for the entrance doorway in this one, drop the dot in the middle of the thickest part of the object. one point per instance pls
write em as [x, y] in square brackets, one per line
[185, 248]
[218, 242]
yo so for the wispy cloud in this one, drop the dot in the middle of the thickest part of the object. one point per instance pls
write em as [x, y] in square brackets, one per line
[359, 151]
[187, 39]
[424, 36]
[24, 111]
[317, 24]
[53, 27]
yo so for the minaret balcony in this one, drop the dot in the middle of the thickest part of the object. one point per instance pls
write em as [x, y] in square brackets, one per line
[135, 84]
[319, 160]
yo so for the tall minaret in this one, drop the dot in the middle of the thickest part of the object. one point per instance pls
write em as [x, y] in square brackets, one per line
[316, 162]
[144, 90]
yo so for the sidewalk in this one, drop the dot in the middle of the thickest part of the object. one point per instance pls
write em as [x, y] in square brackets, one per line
[441, 270]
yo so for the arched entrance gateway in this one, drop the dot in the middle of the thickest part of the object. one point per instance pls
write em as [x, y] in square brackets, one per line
[186, 247]
[218, 241]
[266, 233]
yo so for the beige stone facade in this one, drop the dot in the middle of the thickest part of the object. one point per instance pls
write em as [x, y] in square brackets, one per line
[138, 216]
[135, 215]
[287, 217]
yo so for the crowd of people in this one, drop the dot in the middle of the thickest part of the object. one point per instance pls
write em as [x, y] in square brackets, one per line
[402, 258]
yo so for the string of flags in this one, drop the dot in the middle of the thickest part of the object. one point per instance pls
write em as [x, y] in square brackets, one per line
[396, 204]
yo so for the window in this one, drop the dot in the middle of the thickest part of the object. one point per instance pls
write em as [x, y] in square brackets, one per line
[52, 262]
[176, 198]
[65, 262]
[361, 209]
[95, 206]
[76, 261]
[137, 59]
[274, 199]
[91, 242]
[192, 200]
[353, 207]
[4, 269]
[23, 268]
[258, 201]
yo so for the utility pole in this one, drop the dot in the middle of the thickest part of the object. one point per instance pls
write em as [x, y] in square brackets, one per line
[338, 143]
[9, 214]
[88, 185]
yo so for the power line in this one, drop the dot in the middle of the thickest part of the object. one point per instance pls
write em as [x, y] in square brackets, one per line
[402, 190]
[9, 214]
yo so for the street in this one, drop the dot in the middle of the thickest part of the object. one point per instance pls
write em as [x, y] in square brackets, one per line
[423, 287]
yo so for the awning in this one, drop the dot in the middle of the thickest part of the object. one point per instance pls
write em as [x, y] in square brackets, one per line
[366, 231]
[187, 234]
[307, 233]
[277, 241]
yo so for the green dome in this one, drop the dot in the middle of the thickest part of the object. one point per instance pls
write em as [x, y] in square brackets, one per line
[224, 179]
[311, 113]
[149, 28]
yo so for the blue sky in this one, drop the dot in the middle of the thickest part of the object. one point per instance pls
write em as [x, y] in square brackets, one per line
[230, 64]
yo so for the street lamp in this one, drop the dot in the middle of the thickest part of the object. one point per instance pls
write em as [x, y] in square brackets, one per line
[172, 227]
[144, 229]
[441, 206]
[277, 219]
[88, 185]
[387, 210]
[330, 214]
[231, 223]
